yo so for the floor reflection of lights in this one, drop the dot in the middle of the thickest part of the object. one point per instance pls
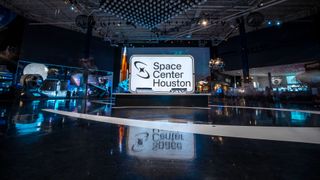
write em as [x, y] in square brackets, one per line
[157, 143]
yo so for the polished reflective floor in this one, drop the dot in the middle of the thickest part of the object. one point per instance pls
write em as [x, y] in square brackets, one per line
[35, 144]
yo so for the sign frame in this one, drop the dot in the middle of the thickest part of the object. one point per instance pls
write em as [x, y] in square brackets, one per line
[162, 55]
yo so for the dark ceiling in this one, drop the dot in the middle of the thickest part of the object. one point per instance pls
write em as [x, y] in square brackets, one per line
[154, 20]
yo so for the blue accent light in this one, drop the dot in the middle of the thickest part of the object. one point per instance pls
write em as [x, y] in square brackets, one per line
[35, 104]
[36, 94]
[299, 118]
[24, 129]
[219, 91]
[124, 85]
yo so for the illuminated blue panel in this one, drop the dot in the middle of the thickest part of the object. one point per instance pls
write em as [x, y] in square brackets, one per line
[298, 118]
[36, 94]
[24, 129]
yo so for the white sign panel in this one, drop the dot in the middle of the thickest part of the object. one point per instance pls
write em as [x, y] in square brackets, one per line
[160, 144]
[161, 73]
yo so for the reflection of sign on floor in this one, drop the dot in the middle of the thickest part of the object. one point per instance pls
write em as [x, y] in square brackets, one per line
[154, 143]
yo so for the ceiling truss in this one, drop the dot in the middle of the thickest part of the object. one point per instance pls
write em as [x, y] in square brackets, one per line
[155, 20]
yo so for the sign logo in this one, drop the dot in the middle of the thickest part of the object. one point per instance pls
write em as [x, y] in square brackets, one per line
[141, 138]
[141, 67]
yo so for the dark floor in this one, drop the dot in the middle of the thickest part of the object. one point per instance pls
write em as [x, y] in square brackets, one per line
[39, 145]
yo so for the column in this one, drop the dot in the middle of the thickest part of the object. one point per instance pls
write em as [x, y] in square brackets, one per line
[244, 50]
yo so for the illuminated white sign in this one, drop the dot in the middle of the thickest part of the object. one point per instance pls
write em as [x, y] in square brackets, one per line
[155, 143]
[161, 73]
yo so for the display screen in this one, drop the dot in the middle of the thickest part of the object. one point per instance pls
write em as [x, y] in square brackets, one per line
[292, 80]
[161, 73]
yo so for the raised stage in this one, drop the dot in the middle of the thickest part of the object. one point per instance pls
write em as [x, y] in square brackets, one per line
[187, 100]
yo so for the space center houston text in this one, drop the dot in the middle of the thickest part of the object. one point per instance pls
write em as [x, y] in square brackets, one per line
[161, 73]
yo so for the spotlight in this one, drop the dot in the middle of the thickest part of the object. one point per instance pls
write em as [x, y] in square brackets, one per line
[278, 23]
[204, 22]
[216, 64]
[269, 23]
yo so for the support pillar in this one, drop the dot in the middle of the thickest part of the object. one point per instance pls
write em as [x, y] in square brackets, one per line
[213, 55]
[270, 80]
[116, 67]
[87, 49]
[244, 50]
[88, 39]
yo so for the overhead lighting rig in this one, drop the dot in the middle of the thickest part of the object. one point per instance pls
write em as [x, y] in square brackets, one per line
[73, 5]
[147, 13]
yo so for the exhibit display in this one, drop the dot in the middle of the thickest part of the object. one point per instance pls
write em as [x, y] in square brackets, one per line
[36, 68]
[6, 81]
[48, 80]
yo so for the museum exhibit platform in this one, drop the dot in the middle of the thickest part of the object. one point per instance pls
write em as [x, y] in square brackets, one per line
[155, 99]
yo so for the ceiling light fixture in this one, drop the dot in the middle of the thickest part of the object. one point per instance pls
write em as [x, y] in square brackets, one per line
[148, 13]
[204, 22]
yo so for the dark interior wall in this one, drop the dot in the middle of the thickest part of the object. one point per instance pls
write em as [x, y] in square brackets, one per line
[290, 43]
[11, 35]
[53, 45]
